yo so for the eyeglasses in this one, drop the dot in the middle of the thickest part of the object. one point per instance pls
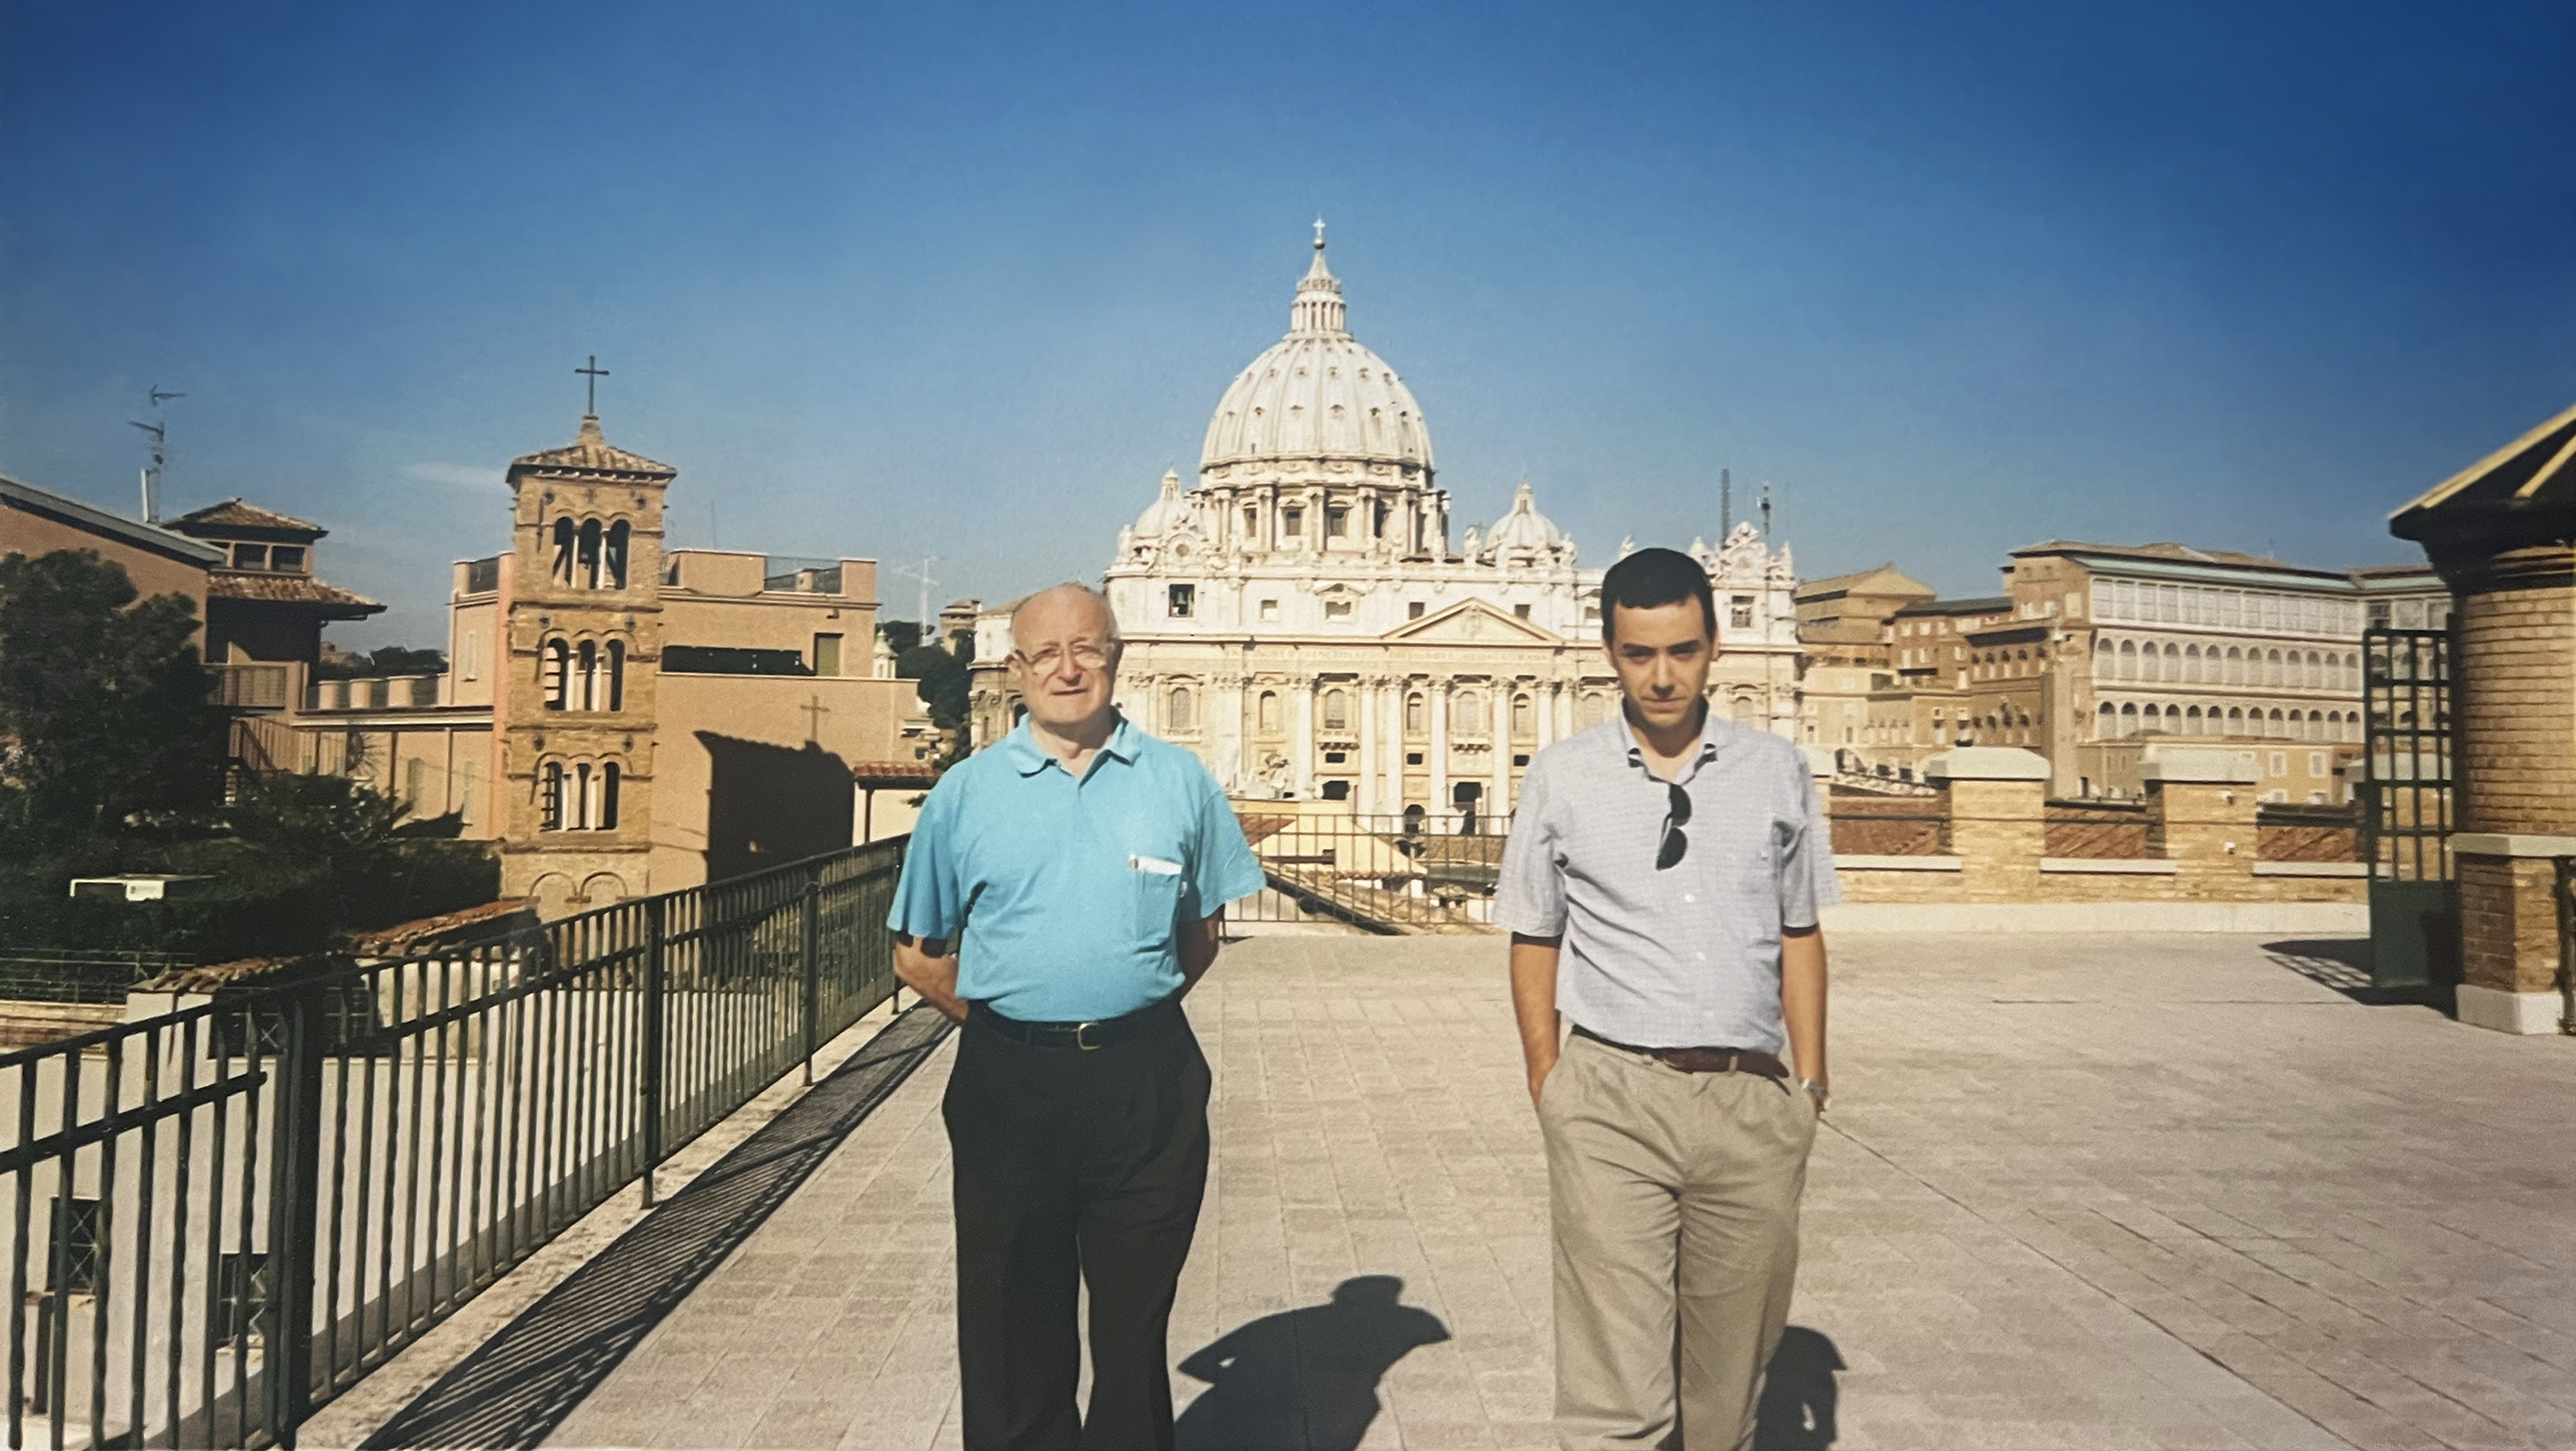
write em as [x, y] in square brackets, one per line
[1676, 816]
[1087, 654]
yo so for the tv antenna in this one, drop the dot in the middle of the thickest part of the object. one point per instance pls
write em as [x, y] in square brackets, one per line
[929, 627]
[158, 430]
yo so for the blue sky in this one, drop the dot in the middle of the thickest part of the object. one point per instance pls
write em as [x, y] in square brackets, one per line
[966, 279]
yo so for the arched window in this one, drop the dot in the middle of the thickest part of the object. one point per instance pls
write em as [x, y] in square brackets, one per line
[1596, 709]
[1415, 718]
[2102, 658]
[586, 561]
[1744, 710]
[1337, 710]
[1269, 712]
[616, 676]
[2317, 726]
[567, 534]
[2191, 721]
[2316, 670]
[2129, 720]
[2236, 720]
[2272, 671]
[2128, 659]
[1524, 716]
[585, 800]
[617, 537]
[554, 663]
[2278, 731]
[2235, 666]
[2173, 662]
[550, 796]
[2191, 664]
[608, 775]
[1181, 712]
[587, 691]
[1471, 713]
[2104, 728]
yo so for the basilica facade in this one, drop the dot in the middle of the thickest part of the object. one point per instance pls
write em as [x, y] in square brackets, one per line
[1301, 619]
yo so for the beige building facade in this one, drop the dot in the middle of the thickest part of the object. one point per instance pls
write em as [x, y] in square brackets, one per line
[625, 719]
[1301, 619]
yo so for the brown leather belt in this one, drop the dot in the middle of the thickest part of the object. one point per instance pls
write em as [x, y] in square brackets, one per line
[1701, 1060]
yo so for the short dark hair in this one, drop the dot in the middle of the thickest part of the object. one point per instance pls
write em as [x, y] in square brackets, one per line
[1653, 577]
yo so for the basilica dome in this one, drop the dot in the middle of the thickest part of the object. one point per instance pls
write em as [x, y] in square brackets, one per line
[1317, 394]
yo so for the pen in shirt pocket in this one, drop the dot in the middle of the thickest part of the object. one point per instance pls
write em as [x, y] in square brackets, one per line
[1155, 865]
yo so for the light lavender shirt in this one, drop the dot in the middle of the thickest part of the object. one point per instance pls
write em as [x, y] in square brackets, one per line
[1688, 956]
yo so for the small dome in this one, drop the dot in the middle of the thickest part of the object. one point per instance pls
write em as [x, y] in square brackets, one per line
[1167, 511]
[1317, 393]
[1526, 536]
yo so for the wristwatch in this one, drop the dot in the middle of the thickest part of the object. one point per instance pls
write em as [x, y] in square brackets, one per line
[1816, 1090]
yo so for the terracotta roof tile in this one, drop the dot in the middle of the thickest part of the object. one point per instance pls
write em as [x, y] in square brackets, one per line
[447, 929]
[237, 514]
[894, 773]
[288, 589]
[590, 453]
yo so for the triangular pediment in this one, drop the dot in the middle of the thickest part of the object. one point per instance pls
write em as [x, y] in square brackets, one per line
[1472, 622]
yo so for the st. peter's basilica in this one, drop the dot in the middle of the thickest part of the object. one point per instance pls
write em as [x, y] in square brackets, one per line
[1300, 618]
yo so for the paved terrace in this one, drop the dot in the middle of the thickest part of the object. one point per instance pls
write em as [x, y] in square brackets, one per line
[2100, 1192]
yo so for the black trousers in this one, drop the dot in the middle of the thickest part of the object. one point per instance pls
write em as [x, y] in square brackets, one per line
[1072, 1162]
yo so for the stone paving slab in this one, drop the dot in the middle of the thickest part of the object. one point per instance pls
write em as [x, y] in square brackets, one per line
[2075, 1192]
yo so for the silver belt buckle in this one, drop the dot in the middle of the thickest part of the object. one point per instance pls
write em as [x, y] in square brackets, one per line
[1081, 1039]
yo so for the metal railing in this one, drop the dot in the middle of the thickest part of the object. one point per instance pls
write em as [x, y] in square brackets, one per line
[43, 975]
[1380, 873]
[223, 1216]
[2563, 893]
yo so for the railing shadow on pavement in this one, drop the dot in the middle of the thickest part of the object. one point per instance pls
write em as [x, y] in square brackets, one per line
[2343, 964]
[520, 1384]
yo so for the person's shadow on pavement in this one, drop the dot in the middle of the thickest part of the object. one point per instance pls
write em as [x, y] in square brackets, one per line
[1304, 1379]
[1796, 1412]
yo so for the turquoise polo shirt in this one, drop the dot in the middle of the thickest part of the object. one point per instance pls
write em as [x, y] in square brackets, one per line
[1074, 888]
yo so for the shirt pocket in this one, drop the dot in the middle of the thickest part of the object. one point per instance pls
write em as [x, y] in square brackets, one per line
[1154, 893]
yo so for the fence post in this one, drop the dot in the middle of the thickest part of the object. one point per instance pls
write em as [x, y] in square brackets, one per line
[293, 1194]
[648, 1082]
[813, 963]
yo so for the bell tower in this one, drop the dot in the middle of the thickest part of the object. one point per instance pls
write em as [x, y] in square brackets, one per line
[584, 633]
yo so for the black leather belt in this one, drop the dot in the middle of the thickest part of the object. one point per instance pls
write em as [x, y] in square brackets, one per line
[1088, 1036]
[1701, 1060]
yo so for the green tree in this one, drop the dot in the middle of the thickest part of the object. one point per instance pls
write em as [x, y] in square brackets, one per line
[384, 660]
[103, 703]
[942, 682]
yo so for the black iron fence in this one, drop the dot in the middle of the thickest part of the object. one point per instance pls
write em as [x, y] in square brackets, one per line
[44, 975]
[1381, 873]
[222, 1216]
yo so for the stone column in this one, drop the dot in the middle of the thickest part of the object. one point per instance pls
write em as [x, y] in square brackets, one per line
[1544, 707]
[1227, 735]
[1364, 791]
[1395, 737]
[1998, 826]
[1390, 743]
[1301, 746]
[1436, 755]
[2203, 799]
[1498, 722]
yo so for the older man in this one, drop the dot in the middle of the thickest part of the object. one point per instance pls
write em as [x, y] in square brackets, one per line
[1063, 890]
[1661, 886]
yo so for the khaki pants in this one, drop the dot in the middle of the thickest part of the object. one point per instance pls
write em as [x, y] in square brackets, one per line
[1675, 1201]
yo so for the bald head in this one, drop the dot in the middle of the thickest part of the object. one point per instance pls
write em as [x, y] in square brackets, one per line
[1060, 612]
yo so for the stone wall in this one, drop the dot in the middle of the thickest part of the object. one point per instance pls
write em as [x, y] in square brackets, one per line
[2195, 841]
